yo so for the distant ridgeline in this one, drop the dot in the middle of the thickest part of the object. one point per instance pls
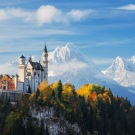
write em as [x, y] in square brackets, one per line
[60, 109]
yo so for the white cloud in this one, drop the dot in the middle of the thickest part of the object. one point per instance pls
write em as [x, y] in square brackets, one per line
[48, 14]
[16, 13]
[44, 14]
[11, 70]
[79, 14]
[102, 61]
[3, 15]
[68, 66]
[127, 7]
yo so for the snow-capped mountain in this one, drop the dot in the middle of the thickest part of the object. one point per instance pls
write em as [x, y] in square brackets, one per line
[122, 71]
[71, 66]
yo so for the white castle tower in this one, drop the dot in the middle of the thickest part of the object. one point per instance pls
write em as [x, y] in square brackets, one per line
[22, 72]
[45, 62]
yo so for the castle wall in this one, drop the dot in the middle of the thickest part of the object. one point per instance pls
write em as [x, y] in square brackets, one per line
[20, 86]
[36, 82]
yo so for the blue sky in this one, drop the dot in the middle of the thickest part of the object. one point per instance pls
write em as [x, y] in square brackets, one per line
[102, 30]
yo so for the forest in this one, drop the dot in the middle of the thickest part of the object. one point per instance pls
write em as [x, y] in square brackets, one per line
[94, 108]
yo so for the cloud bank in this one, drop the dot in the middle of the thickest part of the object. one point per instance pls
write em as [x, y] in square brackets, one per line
[44, 14]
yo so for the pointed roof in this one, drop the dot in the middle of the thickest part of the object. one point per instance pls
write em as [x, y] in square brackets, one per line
[22, 56]
[36, 66]
[45, 49]
[30, 58]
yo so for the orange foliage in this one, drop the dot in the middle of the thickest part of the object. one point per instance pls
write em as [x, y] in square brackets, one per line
[93, 96]
[43, 85]
[9, 81]
[44, 98]
[47, 107]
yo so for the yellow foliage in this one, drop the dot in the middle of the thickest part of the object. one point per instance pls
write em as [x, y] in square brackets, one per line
[67, 91]
[106, 90]
[109, 99]
[55, 85]
[100, 96]
[105, 96]
[44, 98]
[90, 86]
[85, 90]
[31, 96]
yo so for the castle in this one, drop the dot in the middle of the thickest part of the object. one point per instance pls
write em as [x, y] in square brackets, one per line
[29, 75]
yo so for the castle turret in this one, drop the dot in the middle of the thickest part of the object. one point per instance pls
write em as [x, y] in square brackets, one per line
[45, 62]
[22, 71]
[16, 81]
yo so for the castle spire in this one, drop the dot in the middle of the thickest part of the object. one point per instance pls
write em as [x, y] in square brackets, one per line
[45, 49]
[30, 58]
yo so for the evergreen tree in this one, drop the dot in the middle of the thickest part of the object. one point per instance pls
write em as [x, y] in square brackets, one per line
[37, 92]
[46, 131]
[59, 89]
[73, 90]
[29, 89]
[42, 127]
[30, 128]
[53, 93]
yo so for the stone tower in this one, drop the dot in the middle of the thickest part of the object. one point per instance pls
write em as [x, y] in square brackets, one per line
[22, 72]
[45, 63]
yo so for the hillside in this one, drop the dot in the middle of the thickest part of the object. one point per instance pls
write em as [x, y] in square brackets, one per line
[91, 109]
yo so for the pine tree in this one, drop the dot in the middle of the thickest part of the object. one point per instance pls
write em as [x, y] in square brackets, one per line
[37, 93]
[30, 128]
[73, 90]
[59, 89]
[42, 127]
[53, 93]
[46, 131]
[29, 89]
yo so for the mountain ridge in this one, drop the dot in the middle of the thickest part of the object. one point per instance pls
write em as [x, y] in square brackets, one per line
[122, 71]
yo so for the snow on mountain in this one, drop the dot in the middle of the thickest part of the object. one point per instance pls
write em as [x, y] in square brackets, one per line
[122, 71]
[66, 54]
[71, 66]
